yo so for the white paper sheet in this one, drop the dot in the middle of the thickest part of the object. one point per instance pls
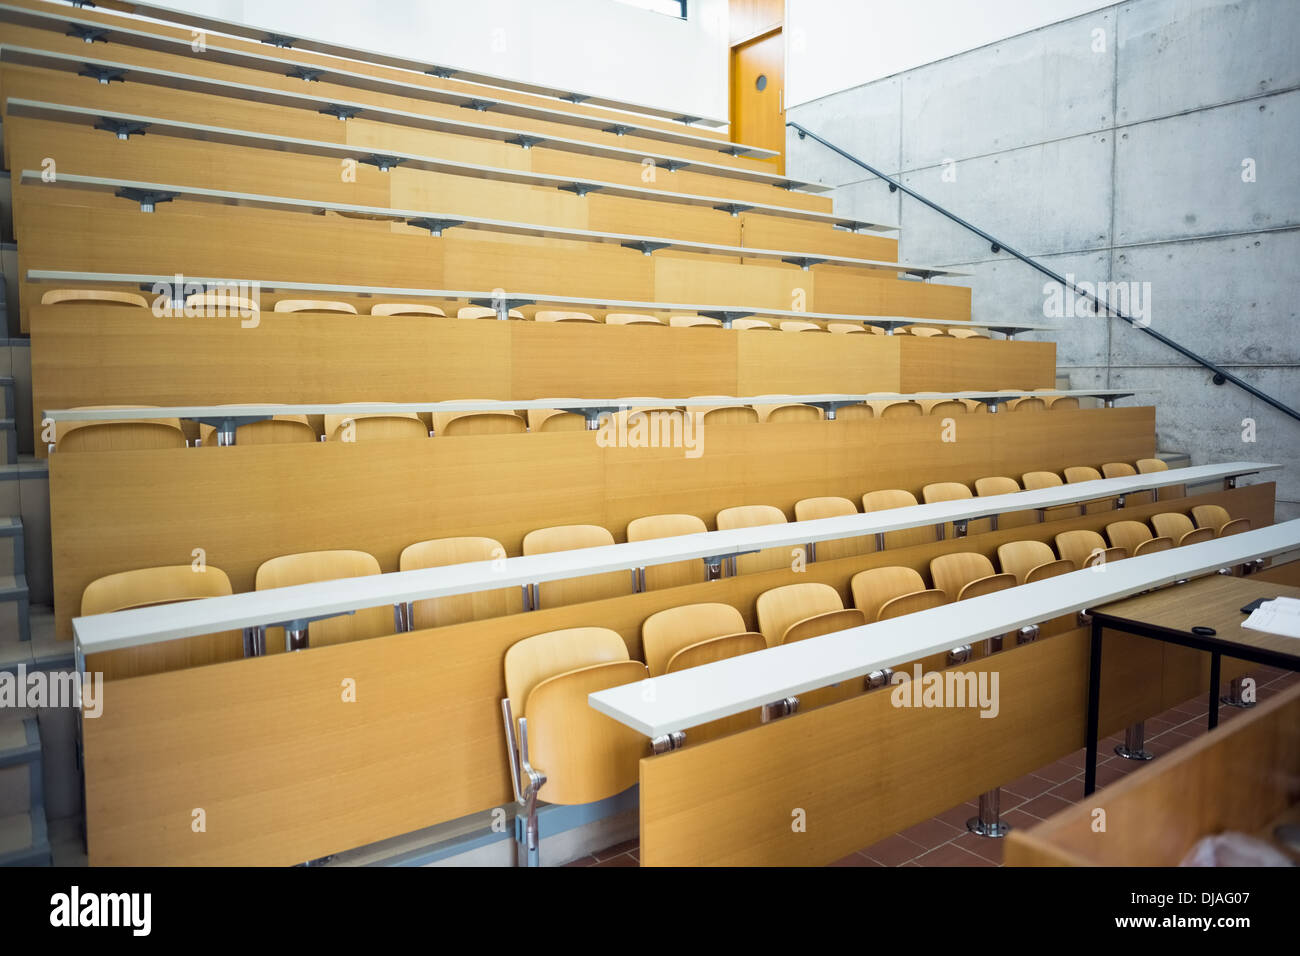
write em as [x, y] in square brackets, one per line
[1278, 616]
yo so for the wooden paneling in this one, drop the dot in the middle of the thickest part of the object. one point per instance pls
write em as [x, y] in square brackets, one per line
[252, 742]
[96, 355]
[1239, 779]
[749, 18]
[773, 232]
[114, 511]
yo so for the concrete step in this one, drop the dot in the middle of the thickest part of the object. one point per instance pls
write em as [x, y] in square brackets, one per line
[20, 766]
[24, 840]
[8, 442]
[15, 622]
[8, 397]
[12, 551]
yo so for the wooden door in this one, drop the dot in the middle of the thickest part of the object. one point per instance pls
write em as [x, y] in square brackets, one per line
[758, 94]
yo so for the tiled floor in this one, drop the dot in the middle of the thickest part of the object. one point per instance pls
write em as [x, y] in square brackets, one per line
[944, 840]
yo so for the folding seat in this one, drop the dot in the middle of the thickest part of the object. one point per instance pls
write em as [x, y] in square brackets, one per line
[797, 612]
[1151, 466]
[889, 592]
[694, 634]
[784, 414]
[483, 312]
[591, 587]
[812, 509]
[790, 325]
[844, 328]
[450, 424]
[457, 608]
[723, 414]
[953, 491]
[560, 749]
[891, 408]
[753, 516]
[887, 500]
[676, 573]
[1038, 480]
[959, 333]
[1087, 548]
[1031, 561]
[1077, 474]
[315, 305]
[693, 322]
[1179, 529]
[1136, 538]
[1002, 485]
[1217, 517]
[310, 567]
[555, 420]
[94, 296]
[125, 435]
[554, 315]
[375, 427]
[405, 308]
[968, 574]
[277, 430]
[1122, 469]
[147, 587]
[753, 325]
[631, 318]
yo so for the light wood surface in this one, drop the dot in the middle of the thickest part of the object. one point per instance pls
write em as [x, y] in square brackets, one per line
[1237, 778]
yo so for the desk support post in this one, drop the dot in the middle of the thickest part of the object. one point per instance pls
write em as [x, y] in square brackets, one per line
[988, 824]
[1215, 663]
[1234, 697]
[1134, 745]
[1094, 710]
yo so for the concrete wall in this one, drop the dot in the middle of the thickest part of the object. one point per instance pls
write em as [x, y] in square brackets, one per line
[1111, 146]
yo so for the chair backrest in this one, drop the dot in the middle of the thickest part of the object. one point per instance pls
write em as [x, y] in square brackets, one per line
[375, 427]
[715, 649]
[945, 491]
[1118, 469]
[668, 632]
[1148, 466]
[951, 573]
[996, 485]
[860, 412]
[675, 573]
[1021, 557]
[315, 305]
[592, 587]
[220, 302]
[792, 325]
[458, 608]
[555, 420]
[724, 414]
[888, 499]
[811, 509]
[126, 435]
[1086, 548]
[1217, 518]
[925, 331]
[99, 296]
[559, 315]
[781, 609]
[405, 308]
[844, 328]
[146, 587]
[753, 325]
[960, 333]
[889, 408]
[447, 424]
[943, 406]
[483, 312]
[278, 430]
[1027, 403]
[309, 567]
[1037, 480]
[1128, 535]
[543, 656]
[693, 322]
[631, 318]
[875, 587]
[783, 414]
[1077, 473]
[1061, 403]
[749, 516]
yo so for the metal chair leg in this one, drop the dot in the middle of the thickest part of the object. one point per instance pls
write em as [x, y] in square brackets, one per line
[988, 824]
[1134, 745]
[1234, 698]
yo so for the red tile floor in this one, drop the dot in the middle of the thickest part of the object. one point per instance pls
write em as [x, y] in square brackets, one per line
[944, 840]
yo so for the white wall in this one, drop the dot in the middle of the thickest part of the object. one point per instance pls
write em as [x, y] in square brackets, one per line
[594, 46]
[833, 45]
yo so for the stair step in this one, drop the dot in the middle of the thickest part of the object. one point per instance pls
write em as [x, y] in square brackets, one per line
[11, 546]
[24, 839]
[20, 766]
[8, 442]
[14, 617]
[8, 396]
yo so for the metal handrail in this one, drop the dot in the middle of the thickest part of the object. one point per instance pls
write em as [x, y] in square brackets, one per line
[1221, 374]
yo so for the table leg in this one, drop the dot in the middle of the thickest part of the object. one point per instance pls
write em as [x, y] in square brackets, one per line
[1214, 689]
[1094, 710]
